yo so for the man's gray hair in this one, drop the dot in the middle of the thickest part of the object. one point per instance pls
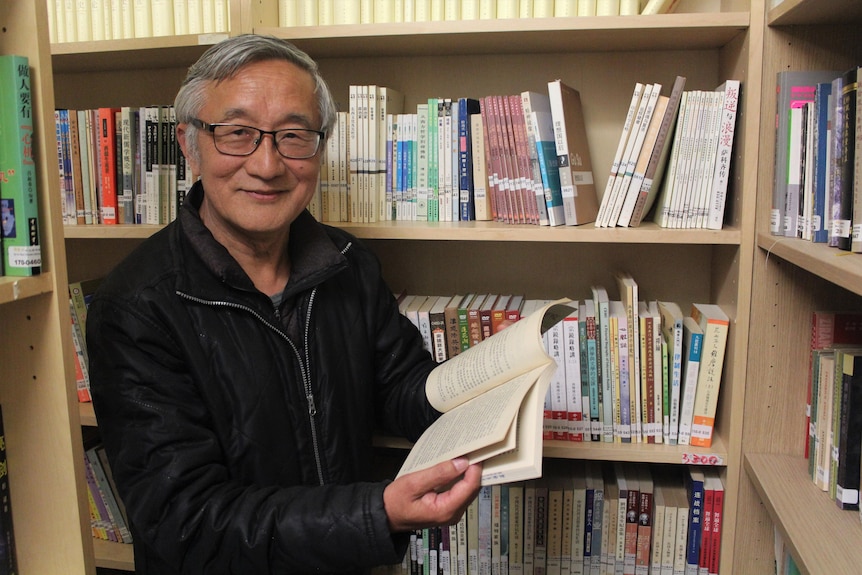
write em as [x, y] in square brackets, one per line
[225, 59]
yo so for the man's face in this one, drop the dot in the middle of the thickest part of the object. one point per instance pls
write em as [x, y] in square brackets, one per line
[251, 199]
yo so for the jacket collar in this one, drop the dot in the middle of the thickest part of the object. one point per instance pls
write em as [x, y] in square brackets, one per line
[314, 256]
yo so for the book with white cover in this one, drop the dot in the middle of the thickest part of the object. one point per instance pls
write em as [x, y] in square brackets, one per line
[721, 175]
[632, 195]
[607, 197]
[632, 151]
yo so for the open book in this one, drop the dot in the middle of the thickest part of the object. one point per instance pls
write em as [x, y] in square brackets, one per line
[492, 399]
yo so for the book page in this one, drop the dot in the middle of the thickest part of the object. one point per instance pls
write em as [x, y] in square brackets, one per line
[485, 422]
[513, 351]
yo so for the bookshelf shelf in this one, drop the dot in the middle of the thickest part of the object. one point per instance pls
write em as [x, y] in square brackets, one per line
[137, 53]
[647, 233]
[805, 515]
[15, 289]
[519, 36]
[814, 12]
[111, 555]
[836, 266]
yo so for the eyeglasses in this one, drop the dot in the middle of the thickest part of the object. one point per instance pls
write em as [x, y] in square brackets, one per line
[239, 140]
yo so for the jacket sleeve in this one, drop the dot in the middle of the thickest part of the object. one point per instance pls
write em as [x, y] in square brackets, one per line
[184, 503]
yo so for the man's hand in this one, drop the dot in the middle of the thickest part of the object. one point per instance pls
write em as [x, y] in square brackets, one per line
[435, 496]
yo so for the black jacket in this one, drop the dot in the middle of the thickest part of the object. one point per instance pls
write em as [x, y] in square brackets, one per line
[239, 433]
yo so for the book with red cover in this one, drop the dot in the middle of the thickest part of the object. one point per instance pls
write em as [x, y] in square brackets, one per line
[645, 520]
[713, 482]
[108, 164]
[485, 313]
[513, 308]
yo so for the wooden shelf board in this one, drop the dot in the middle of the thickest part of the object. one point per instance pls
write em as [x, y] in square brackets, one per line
[112, 555]
[113, 232]
[87, 414]
[510, 36]
[637, 452]
[815, 12]
[18, 288]
[134, 53]
[534, 35]
[647, 233]
[821, 537]
[837, 266]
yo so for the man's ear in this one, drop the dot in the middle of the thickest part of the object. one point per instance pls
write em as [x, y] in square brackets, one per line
[192, 159]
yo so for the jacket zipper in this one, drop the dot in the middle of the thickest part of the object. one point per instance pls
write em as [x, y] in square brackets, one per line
[303, 363]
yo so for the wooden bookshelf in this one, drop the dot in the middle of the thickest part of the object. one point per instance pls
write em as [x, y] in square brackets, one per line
[602, 56]
[793, 278]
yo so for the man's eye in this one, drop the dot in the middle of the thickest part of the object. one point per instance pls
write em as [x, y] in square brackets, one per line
[240, 132]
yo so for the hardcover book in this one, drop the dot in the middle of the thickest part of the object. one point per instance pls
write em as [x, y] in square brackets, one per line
[501, 382]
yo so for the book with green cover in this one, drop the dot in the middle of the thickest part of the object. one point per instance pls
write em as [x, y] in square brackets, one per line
[19, 208]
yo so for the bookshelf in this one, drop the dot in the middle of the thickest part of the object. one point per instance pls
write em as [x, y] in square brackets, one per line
[43, 436]
[791, 279]
[707, 41]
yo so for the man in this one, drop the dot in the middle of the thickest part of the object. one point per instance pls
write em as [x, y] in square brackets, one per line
[241, 358]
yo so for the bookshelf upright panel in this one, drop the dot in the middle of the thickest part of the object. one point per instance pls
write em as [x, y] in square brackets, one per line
[45, 456]
[792, 278]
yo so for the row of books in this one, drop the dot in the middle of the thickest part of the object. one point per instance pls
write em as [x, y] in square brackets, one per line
[93, 20]
[120, 165]
[583, 518]
[675, 149]
[817, 192]
[20, 250]
[108, 520]
[834, 439]
[628, 370]
[335, 12]
[8, 549]
[521, 158]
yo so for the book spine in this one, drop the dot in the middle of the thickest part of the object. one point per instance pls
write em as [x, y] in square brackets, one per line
[691, 367]
[849, 94]
[19, 202]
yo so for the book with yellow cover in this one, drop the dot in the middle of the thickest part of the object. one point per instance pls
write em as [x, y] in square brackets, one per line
[715, 325]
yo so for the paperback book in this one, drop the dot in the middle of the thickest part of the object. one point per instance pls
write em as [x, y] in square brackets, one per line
[492, 399]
